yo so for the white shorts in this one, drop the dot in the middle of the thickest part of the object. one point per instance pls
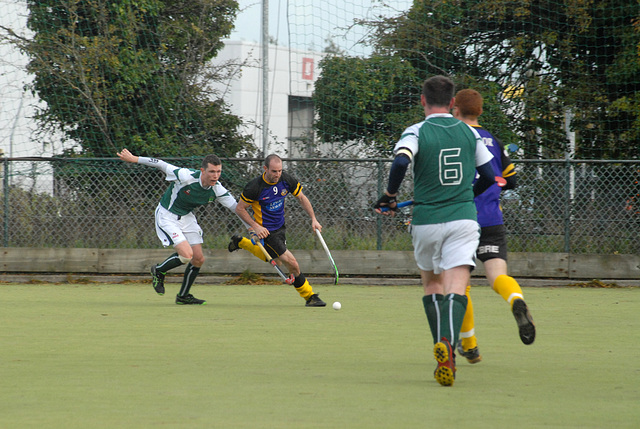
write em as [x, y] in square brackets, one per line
[443, 246]
[173, 229]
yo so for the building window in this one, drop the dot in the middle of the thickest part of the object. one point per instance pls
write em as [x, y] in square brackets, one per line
[301, 142]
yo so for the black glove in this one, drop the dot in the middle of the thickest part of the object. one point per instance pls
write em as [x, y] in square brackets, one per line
[387, 201]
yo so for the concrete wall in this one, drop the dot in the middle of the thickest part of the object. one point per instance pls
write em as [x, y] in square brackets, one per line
[314, 262]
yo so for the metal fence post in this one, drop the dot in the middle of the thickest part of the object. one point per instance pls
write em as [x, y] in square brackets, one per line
[5, 188]
[567, 205]
[378, 218]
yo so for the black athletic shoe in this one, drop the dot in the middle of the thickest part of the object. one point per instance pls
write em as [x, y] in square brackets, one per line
[524, 320]
[235, 240]
[189, 300]
[315, 301]
[471, 355]
[157, 280]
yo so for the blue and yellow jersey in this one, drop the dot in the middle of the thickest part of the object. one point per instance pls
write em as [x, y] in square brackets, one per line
[488, 203]
[267, 199]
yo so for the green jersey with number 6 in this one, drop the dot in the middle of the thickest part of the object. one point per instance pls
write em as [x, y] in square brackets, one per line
[446, 152]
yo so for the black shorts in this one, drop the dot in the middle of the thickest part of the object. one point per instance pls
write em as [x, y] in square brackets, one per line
[493, 243]
[276, 242]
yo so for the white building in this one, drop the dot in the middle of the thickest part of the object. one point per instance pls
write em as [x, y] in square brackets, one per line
[18, 106]
[291, 79]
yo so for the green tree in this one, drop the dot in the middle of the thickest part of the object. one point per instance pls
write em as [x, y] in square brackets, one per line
[538, 64]
[574, 60]
[602, 77]
[365, 100]
[132, 73]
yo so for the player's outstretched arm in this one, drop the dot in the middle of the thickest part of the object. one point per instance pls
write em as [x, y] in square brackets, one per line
[127, 156]
[225, 198]
[307, 207]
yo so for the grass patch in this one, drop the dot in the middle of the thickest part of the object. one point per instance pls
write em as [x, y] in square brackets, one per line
[596, 283]
[247, 277]
[105, 356]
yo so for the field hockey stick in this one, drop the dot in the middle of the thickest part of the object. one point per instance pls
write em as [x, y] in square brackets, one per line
[399, 205]
[272, 261]
[326, 250]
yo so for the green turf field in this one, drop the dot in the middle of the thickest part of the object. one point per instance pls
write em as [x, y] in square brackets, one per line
[119, 356]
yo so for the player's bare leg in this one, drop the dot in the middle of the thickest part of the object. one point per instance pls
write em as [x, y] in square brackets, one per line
[300, 282]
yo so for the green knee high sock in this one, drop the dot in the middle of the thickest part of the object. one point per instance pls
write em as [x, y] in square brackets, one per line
[190, 274]
[431, 305]
[453, 307]
[169, 263]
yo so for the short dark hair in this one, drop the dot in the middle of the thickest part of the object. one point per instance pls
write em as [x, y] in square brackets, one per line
[469, 103]
[438, 90]
[270, 158]
[210, 159]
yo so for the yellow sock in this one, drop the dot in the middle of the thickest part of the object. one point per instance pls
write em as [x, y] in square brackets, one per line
[247, 245]
[508, 288]
[305, 290]
[467, 332]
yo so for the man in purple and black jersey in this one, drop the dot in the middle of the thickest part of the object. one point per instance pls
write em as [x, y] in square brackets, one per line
[492, 250]
[266, 195]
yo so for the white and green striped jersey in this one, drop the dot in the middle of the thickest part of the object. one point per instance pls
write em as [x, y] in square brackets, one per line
[186, 191]
[445, 152]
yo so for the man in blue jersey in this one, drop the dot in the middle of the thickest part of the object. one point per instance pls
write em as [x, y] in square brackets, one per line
[445, 153]
[176, 225]
[492, 250]
[265, 195]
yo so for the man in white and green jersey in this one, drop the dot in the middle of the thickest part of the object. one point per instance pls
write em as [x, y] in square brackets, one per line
[176, 225]
[445, 153]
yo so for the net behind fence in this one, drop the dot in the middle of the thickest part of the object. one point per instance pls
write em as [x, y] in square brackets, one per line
[558, 77]
[104, 203]
[82, 79]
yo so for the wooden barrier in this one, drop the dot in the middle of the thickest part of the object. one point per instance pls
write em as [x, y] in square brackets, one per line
[314, 262]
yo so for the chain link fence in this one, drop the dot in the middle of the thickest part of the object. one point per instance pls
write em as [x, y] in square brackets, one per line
[559, 206]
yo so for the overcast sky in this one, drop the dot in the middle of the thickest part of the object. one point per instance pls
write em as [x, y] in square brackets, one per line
[311, 22]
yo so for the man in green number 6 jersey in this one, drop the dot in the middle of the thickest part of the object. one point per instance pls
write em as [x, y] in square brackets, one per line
[445, 153]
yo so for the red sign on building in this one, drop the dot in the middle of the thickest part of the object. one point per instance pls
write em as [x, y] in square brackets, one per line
[307, 68]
